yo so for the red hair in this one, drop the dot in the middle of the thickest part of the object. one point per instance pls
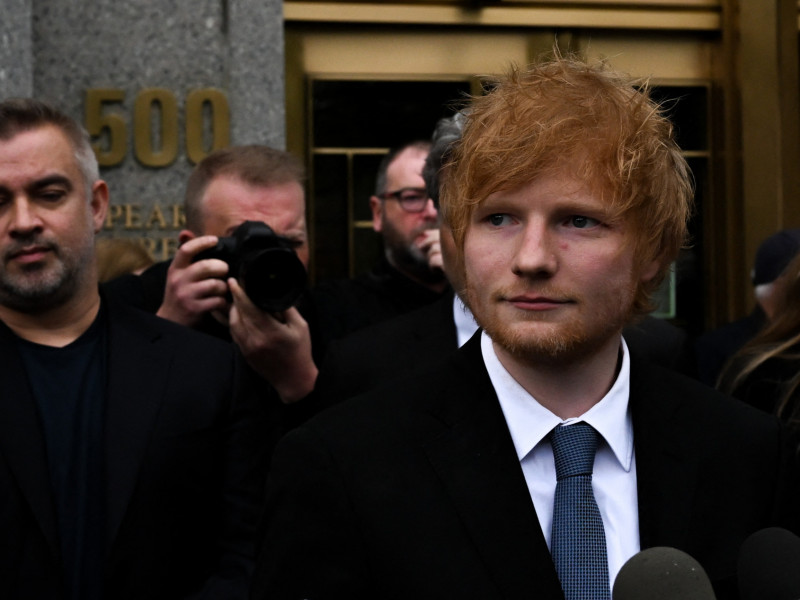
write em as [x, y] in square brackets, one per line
[594, 122]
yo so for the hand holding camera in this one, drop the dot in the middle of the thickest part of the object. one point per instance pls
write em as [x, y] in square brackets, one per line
[249, 281]
[277, 347]
[194, 288]
[264, 264]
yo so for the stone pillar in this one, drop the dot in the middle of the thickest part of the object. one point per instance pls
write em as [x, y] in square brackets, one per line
[158, 83]
[257, 71]
[16, 48]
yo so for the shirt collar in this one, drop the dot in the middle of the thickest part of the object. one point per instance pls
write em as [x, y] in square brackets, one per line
[529, 422]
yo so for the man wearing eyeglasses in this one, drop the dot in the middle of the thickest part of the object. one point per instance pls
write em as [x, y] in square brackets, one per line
[410, 274]
[404, 214]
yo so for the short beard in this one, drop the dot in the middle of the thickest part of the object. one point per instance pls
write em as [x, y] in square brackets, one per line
[546, 349]
[566, 343]
[35, 293]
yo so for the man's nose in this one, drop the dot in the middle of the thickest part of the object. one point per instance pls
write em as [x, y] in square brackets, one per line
[537, 251]
[24, 217]
[429, 212]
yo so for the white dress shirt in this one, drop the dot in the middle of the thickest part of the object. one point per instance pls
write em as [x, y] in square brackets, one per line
[614, 478]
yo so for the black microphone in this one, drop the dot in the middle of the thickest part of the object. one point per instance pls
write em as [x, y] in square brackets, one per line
[769, 566]
[662, 573]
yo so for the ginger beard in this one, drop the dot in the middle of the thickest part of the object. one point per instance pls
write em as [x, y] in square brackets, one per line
[535, 338]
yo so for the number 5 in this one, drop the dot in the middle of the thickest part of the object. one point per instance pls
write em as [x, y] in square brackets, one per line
[96, 122]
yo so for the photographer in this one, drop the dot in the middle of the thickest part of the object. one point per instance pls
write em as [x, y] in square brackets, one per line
[227, 188]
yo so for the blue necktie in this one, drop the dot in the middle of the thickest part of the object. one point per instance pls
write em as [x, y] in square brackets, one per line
[578, 543]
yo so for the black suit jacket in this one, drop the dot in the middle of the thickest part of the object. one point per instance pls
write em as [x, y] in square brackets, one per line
[185, 457]
[415, 490]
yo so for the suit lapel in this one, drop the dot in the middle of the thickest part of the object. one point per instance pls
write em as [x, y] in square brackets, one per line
[22, 440]
[666, 469]
[137, 372]
[473, 455]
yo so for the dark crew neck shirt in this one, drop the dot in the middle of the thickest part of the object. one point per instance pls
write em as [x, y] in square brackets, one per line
[69, 388]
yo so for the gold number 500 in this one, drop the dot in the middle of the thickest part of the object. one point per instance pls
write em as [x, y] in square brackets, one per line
[156, 126]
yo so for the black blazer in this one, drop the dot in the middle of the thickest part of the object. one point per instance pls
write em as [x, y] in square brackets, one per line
[415, 490]
[185, 460]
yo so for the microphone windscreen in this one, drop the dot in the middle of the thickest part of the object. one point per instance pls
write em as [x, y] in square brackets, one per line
[769, 566]
[662, 573]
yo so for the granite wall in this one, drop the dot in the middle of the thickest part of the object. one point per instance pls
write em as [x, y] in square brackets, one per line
[158, 83]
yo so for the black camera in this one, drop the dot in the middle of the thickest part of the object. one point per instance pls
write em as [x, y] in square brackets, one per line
[264, 264]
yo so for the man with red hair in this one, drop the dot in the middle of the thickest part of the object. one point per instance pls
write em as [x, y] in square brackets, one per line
[543, 454]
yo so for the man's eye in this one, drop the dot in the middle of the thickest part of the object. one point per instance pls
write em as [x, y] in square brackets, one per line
[51, 195]
[581, 222]
[498, 220]
[412, 197]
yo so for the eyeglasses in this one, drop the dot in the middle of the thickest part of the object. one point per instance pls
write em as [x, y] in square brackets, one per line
[411, 200]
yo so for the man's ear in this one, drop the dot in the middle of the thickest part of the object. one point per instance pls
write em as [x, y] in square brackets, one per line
[376, 206]
[185, 235]
[649, 270]
[99, 204]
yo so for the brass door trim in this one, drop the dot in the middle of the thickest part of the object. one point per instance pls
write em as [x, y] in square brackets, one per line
[701, 15]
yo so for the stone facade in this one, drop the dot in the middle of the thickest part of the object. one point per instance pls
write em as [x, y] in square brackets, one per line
[157, 83]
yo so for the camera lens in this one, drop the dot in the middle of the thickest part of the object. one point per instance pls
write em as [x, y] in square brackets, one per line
[273, 278]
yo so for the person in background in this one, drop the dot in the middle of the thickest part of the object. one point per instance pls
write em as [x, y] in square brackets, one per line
[120, 256]
[410, 274]
[227, 188]
[713, 349]
[765, 372]
[381, 353]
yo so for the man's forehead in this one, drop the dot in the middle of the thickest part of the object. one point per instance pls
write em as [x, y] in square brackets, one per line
[38, 139]
[407, 163]
[560, 181]
[230, 192]
[40, 153]
[230, 201]
[411, 153]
